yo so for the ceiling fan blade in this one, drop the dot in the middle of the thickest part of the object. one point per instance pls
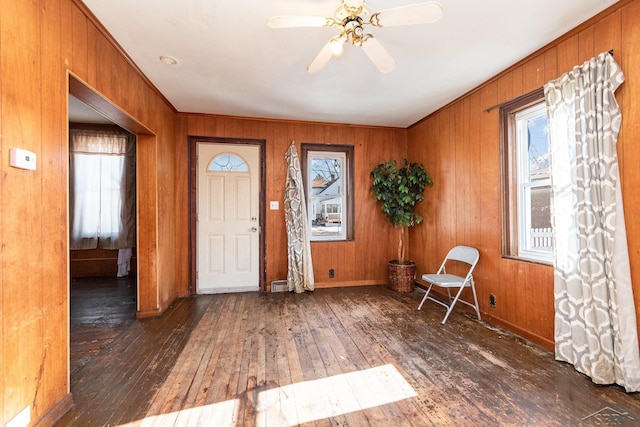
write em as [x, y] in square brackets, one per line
[299, 21]
[378, 55]
[353, 3]
[421, 13]
[321, 59]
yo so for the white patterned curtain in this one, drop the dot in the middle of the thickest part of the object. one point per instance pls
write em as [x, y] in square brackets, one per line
[300, 271]
[595, 319]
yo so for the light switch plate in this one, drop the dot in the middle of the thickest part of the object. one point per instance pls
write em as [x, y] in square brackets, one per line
[274, 205]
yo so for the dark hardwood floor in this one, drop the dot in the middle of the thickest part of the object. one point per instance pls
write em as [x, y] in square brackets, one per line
[101, 308]
[335, 357]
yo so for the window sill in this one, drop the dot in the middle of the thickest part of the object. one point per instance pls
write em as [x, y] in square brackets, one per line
[528, 260]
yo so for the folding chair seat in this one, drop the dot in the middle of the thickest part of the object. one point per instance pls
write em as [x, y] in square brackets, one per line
[442, 279]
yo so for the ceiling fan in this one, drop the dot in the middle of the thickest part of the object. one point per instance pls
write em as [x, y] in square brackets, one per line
[351, 18]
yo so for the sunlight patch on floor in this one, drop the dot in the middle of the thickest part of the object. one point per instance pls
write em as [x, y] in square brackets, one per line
[302, 402]
[328, 397]
[216, 414]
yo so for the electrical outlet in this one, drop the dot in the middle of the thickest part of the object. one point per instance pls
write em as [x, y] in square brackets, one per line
[492, 301]
[332, 273]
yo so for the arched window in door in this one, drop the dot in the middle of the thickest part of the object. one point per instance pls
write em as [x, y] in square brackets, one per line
[227, 162]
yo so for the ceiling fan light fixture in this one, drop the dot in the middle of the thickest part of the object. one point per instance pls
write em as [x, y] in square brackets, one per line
[337, 45]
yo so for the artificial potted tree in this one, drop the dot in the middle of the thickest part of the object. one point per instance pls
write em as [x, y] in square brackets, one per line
[399, 189]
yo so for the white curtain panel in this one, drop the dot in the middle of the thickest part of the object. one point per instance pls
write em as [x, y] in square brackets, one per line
[124, 262]
[102, 189]
[300, 271]
[595, 319]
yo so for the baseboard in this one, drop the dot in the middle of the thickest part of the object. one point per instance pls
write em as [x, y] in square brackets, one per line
[155, 312]
[348, 283]
[536, 339]
[62, 407]
[151, 312]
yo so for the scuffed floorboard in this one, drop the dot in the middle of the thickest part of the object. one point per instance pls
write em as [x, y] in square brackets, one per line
[336, 357]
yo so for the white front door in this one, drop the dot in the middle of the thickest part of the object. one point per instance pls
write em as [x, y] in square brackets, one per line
[228, 223]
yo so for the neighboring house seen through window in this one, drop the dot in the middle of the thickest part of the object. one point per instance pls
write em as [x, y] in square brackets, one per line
[327, 171]
[527, 179]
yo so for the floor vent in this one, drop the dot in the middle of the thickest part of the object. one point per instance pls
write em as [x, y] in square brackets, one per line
[279, 286]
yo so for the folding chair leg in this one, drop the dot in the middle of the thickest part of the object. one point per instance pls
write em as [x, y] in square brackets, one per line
[452, 304]
[475, 298]
[425, 296]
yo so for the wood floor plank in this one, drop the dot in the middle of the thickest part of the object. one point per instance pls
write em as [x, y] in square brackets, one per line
[431, 409]
[143, 352]
[127, 394]
[447, 367]
[343, 357]
[394, 339]
[335, 357]
[172, 397]
[331, 353]
[251, 320]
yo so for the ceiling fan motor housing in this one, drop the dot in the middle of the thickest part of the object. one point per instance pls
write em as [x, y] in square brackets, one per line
[353, 27]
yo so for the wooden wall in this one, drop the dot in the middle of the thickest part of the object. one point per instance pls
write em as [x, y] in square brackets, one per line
[41, 41]
[97, 262]
[459, 145]
[358, 262]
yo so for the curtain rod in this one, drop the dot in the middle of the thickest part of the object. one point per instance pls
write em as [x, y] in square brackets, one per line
[493, 107]
[516, 99]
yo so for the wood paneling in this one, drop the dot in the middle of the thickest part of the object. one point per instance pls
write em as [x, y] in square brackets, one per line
[2, 303]
[54, 260]
[147, 228]
[22, 281]
[460, 146]
[41, 43]
[357, 262]
[628, 96]
[97, 262]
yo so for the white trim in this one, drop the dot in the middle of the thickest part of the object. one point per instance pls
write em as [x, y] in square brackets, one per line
[334, 231]
[525, 185]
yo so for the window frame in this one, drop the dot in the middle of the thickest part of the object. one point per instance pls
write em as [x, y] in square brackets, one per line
[113, 236]
[515, 240]
[347, 152]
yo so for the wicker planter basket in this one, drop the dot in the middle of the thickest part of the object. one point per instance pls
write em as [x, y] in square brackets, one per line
[402, 276]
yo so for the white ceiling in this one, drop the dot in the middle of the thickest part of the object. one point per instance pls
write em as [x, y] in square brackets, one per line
[232, 63]
[79, 112]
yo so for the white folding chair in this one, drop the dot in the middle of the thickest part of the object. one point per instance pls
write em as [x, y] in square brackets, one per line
[442, 279]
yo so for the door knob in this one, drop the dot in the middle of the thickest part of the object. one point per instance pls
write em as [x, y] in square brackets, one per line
[254, 229]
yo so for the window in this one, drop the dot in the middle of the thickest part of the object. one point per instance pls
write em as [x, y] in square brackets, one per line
[527, 179]
[102, 189]
[228, 163]
[328, 176]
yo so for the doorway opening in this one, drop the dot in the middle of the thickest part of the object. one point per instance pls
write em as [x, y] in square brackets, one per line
[103, 307]
[102, 232]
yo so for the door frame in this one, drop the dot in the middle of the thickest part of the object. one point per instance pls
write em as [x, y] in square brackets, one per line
[147, 303]
[193, 196]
